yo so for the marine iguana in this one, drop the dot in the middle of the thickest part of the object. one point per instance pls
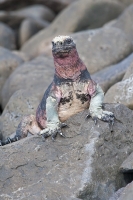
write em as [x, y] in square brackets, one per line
[71, 91]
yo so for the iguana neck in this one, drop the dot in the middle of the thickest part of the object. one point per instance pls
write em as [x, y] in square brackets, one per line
[69, 67]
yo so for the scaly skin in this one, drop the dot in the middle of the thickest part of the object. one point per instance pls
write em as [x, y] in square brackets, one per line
[71, 91]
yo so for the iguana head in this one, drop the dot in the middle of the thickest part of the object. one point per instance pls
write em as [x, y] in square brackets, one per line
[62, 46]
[66, 59]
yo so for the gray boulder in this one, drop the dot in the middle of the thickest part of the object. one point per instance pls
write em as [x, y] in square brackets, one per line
[129, 71]
[84, 165]
[91, 14]
[30, 27]
[35, 75]
[8, 63]
[124, 193]
[98, 49]
[21, 55]
[14, 18]
[56, 6]
[7, 37]
[124, 22]
[114, 73]
[122, 92]
[127, 165]
[22, 102]
[35, 11]
[126, 2]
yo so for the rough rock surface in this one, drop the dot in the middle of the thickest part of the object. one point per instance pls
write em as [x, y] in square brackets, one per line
[30, 27]
[114, 73]
[35, 75]
[84, 165]
[7, 37]
[89, 12]
[122, 92]
[8, 63]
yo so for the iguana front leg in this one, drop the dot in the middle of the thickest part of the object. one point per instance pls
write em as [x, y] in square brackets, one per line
[53, 123]
[95, 109]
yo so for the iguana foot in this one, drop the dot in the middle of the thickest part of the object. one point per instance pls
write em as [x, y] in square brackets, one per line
[108, 117]
[53, 131]
[105, 116]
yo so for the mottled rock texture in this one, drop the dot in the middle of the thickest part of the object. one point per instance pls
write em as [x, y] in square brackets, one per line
[84, 165]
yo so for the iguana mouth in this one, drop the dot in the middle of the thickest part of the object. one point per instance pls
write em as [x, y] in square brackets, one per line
[58, 50]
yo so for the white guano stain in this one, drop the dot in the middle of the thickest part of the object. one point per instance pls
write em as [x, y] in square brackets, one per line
[90, 150]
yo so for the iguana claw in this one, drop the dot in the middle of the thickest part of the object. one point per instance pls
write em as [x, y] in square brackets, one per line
[95, 119]
[105, 116]
[63, 125]
[53, 132]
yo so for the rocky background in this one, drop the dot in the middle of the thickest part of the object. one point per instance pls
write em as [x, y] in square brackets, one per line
[92, 162]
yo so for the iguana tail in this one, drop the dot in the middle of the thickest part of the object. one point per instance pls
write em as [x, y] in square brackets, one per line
[9, 140]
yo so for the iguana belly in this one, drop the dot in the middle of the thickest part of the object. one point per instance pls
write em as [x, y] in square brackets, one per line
[75, 98]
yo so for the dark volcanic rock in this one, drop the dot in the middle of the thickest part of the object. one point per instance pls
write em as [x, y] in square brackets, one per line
[92, 14]
[35, 75]
[84, 165]
[114, 73]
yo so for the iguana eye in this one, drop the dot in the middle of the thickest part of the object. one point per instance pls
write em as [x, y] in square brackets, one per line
[53, 44]
[69, 41]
